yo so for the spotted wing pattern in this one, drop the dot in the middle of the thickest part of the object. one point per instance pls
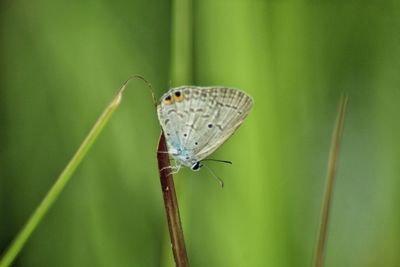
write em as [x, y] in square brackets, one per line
[197, 120]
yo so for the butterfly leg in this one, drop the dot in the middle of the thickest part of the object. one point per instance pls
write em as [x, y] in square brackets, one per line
[174, 169]
[165, 152]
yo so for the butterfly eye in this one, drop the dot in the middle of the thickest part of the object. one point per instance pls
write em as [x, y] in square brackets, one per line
[178, 96]
[168, 100]
[196, 166]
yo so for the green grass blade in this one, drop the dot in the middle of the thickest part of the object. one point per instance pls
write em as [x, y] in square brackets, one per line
[330, 178]
[37, 216]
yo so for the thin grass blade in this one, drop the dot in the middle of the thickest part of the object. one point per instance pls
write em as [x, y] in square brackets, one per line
[171, 206]
[52, 195]
[330, 179]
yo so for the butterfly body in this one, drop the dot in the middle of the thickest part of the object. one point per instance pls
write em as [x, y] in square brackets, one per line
[197, 120]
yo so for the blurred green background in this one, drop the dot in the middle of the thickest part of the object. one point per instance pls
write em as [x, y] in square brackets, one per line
[62, 61]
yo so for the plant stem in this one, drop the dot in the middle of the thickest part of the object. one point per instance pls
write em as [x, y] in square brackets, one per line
[52, 195]
[330, 178]
[171, 205]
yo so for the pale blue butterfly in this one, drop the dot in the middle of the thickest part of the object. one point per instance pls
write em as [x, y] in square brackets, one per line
[197, 120]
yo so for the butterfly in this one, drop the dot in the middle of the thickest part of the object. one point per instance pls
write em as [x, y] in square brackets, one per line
[197, 120]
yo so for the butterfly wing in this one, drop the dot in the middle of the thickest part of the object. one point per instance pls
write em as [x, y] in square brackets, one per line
[226, 110]
[197, 120]
[173, 116]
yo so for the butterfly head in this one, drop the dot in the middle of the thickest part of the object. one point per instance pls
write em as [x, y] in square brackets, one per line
[196, 166]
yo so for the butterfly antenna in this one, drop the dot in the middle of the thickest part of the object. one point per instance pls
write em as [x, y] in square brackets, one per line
[215, 176]
[218, 160]
[122, 89]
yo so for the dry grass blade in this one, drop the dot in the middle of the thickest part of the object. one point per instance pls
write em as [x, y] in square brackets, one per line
[171, 205]
[330, 178]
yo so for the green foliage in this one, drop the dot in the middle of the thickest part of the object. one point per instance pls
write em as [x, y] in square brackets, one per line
[62, 61]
